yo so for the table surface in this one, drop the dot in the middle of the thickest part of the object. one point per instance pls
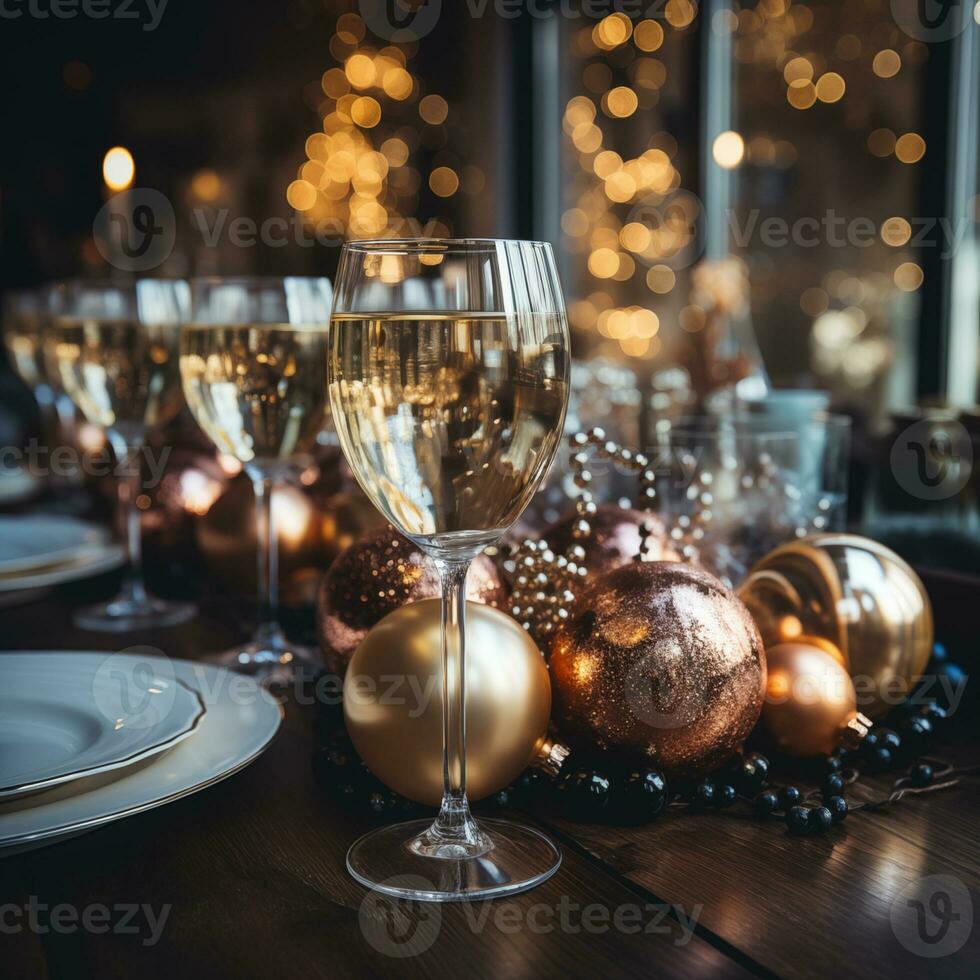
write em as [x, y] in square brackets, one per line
[252, 872]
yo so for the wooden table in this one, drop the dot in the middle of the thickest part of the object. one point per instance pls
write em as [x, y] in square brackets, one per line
[252, 872]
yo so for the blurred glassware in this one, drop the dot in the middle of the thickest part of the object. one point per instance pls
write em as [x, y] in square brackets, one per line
[114, 346]
[26, 320]
[253, 361]
[734, 487]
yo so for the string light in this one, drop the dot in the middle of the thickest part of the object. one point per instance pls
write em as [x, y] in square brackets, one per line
[118, 168]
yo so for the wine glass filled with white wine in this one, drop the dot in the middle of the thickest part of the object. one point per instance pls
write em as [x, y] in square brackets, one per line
[253, 360]
[114, 346]
[449, 368]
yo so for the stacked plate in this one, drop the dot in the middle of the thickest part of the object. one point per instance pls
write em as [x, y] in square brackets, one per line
[38, 552]
[16, 485]
[88, 738]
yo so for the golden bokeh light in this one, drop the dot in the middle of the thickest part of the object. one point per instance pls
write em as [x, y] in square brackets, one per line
[444, 181]
[908, 277]
[301, 195]
[360, 71]
[881, 142]
[118, 168]
[814, 301]
[692, 319]
[635, 237]
[910, 148]
[648, 35]
[620, 102]
[612, 31]
[397, 83]
[680, 13]
[365, 112]
[575, 222]
[661, 279]
[887, 63]
[434, 109]
[798, 69]
[830, 87]
[603, 263]
[896, 231]
[728, 149]
[206, 186]
[395, 151]
[801, 94]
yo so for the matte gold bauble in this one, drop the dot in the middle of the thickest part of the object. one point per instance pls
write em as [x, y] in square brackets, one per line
[661, 661]
[810, 701]
[614, 539]
[375, 576]
[393, 700]
[856, 594]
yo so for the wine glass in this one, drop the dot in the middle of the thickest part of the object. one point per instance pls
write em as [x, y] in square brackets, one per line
[253, 360]
[449, 368]
[114, 346]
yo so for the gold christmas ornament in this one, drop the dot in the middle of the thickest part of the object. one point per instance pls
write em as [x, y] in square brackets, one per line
[811, 706]
[659, 660]
[376, 575]
[855, 594]
[393, 701]
[614, 538]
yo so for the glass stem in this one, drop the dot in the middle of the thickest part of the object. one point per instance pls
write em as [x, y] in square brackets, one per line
[454, 834]
[129, 483]
[268, 557]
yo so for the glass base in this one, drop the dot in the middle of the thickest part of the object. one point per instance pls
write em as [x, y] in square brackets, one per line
[127, 615]
[270, 658]
[512, 858]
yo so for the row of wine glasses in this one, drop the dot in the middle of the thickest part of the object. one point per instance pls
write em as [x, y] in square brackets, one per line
[446, 365]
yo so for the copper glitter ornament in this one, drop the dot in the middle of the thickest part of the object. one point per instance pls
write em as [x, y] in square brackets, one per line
[375, 576]
[393, 701]
[811, 706]
[856, 594]
[614, 538]
[661, 661]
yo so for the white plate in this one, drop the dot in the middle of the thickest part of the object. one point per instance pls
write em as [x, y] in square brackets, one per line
[241, 720]
[30, 543]
[64, 717]
[95, 561]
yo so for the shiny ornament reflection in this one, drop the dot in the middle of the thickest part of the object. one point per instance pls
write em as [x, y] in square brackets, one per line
[659, 660]
[856, 594]
[377, 575]
[393, 701]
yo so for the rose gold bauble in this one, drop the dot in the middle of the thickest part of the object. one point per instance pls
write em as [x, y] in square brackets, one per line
[377, 575]
[661, 661]
[856, 594]
[614, 539]
[393, 700]
[810, 700]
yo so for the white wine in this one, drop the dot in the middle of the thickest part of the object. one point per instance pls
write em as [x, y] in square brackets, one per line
[259, 391]
[122, 374]
[22, 337]
[449, 420]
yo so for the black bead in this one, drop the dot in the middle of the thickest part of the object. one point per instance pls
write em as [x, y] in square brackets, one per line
[641, 796]
[761, 764]
[380, 802]
[921, 774]
[766, 802]
[725, 795]
[703, 795]
[586, 792]
[502, 797]
[889, 740]
[789, 796]
[882, 759]
[953, 673]
[868, 744]
[797, 819]
[936, 714]
[939, 652]
[819, 820]
[832, 764]
[751, 778]
[833, 785]
[837, 806]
